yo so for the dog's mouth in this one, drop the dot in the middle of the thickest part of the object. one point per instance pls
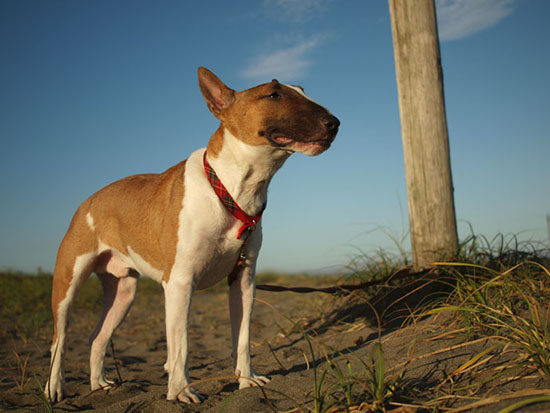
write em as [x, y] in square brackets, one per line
[282, 140]
[310, 147]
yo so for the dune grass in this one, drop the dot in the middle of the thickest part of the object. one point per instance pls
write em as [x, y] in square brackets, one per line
[494, 300]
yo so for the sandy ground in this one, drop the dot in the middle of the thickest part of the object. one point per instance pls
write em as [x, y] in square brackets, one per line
[341, 327]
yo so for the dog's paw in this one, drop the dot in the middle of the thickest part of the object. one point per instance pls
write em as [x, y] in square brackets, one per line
[102, 384]
[105, 383]
[254, 381]
[54, 391]
[189, 396]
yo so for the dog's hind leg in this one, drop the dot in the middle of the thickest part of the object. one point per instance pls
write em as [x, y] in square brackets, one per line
[67, 281]
[75, 262]
[118, 296]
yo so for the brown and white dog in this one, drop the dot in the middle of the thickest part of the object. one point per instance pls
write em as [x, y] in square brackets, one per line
[174, 228]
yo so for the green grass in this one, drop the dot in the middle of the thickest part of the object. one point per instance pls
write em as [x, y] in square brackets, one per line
[17, 317]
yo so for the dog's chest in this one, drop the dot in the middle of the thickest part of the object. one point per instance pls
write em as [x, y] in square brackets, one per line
[218, 264]
[207, 245]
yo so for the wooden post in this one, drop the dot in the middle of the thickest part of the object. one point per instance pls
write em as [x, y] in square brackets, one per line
[424, 131]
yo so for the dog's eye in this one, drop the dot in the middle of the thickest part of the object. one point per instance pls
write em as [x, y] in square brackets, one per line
[274, 95]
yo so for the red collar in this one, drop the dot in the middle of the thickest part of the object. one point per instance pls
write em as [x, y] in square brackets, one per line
[228, 202]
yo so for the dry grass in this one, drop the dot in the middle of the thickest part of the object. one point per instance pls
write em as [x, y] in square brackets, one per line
[492, 308]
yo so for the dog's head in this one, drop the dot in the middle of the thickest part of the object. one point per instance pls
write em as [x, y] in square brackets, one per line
[271, 114]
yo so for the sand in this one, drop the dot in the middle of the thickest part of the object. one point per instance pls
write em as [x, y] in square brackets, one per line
[342, 328]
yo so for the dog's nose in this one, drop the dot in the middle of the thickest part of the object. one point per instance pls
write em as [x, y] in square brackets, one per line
[331, 123]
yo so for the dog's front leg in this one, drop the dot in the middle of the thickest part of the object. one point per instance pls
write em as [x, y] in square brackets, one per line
[241, 301]
[177, 295]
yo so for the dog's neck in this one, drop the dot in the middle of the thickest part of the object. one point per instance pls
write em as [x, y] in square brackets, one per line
[245, 170]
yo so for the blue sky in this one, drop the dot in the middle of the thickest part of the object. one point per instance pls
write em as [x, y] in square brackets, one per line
[92, 91]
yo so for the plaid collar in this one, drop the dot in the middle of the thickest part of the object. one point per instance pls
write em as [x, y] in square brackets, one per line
[228, 202]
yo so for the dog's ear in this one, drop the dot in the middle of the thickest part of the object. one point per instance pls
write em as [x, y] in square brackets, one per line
[218, 96]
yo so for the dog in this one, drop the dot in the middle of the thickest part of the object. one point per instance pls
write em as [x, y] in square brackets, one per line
[188, 228]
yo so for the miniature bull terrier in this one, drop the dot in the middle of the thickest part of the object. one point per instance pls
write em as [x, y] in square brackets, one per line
[187, 228]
